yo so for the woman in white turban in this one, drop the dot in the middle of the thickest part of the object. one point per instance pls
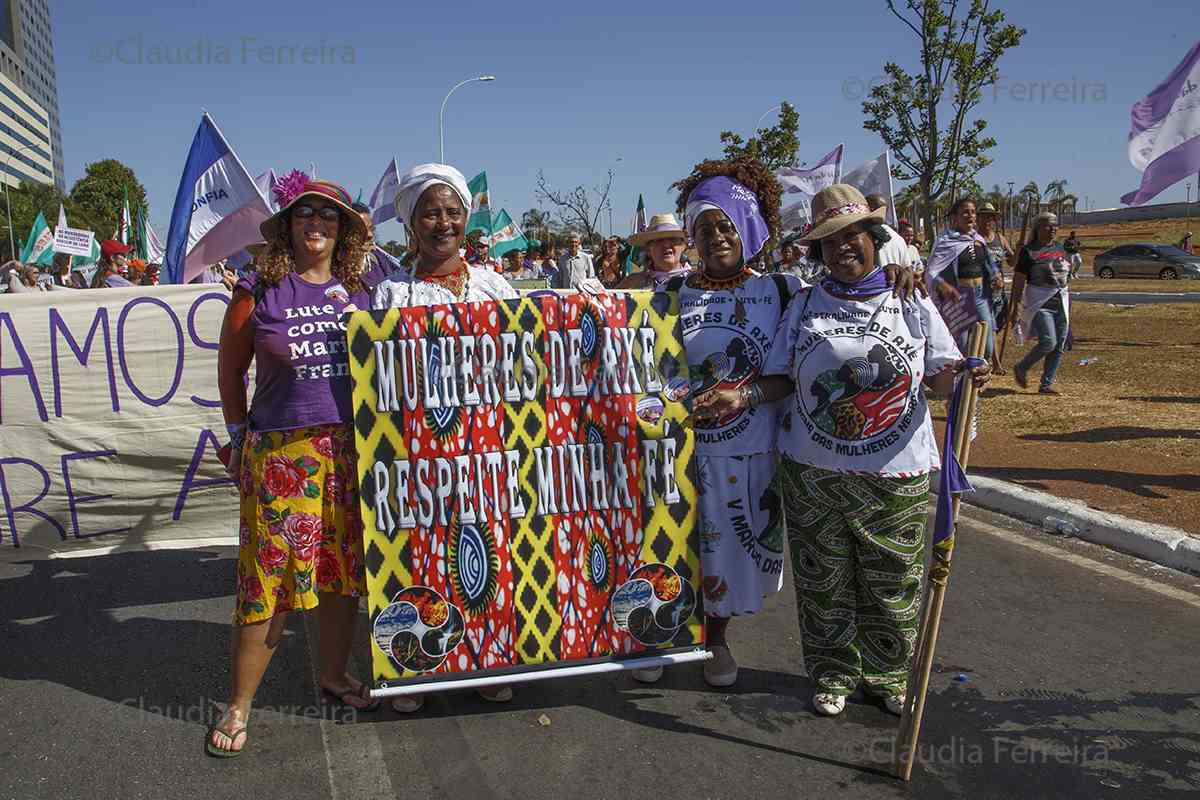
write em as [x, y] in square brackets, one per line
[433, 201]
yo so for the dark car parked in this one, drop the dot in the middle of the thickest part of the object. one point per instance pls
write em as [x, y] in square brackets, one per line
[1146, 261]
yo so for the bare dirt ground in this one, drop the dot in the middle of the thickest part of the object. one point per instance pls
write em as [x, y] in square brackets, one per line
[1124, 436]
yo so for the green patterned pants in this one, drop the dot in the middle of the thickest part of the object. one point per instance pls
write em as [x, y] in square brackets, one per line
[857, 547]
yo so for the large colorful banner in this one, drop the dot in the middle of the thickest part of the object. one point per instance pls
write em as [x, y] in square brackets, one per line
[110, 420]
[527, 485]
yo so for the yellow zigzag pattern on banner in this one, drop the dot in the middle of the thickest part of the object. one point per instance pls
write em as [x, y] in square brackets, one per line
[532, 645]
[363, 374]
[659, 523]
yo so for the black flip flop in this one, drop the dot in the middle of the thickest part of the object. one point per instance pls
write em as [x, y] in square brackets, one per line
[362, 694]
[217, 752]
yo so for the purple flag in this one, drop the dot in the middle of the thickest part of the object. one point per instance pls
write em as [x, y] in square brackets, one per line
[1164, 142]
[951, 478]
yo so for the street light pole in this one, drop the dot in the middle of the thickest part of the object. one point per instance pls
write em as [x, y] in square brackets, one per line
[442, 112]
[12, 242]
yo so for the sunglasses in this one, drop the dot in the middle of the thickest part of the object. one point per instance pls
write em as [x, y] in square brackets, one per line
[326, 213]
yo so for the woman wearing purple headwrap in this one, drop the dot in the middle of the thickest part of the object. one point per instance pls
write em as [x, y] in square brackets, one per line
[728, 314]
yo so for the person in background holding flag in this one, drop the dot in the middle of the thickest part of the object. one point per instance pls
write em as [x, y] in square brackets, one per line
[858, 446]
[112, 266]
[292, 451]
[1041, 302]
[663, 241]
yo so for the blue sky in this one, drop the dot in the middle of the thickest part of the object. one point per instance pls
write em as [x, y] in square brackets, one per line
[578, 86]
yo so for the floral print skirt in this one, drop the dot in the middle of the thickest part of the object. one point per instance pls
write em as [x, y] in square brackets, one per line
[301, 530]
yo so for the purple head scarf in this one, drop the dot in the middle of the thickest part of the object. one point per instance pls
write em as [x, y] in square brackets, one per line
[738, 203]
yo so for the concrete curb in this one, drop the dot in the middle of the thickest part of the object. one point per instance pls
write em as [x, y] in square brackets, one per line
[1160, 544]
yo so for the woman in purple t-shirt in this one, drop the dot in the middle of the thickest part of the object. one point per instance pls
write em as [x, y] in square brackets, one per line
[293, 449]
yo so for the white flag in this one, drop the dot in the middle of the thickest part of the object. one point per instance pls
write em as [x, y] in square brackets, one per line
[875, 177]
[383, 199]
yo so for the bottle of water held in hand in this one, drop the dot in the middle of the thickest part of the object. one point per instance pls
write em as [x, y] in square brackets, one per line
[1059, 526]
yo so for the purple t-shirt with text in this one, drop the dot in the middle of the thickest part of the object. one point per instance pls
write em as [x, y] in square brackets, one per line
[302, 370]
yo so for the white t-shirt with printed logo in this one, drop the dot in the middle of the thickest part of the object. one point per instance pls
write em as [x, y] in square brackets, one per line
[727, 334]
[858, 366]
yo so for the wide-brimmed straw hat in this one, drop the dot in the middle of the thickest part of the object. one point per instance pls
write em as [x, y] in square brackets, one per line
[837, 206]
[327, 190]
[662, 226]
[988, 208]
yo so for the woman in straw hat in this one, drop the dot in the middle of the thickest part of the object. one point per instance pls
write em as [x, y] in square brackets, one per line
[858, 445]
[292, 450]
[664, 241]
[433, 201]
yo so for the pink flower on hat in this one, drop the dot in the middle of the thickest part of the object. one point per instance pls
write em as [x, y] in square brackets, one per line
[289, 186]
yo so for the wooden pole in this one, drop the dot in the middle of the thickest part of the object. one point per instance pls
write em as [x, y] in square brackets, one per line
[1008, 320]
[939, 578]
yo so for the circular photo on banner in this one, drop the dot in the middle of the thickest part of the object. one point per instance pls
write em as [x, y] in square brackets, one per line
[653, 604]
[418, 629]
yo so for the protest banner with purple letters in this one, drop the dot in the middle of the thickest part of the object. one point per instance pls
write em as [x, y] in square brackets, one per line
[110, 420]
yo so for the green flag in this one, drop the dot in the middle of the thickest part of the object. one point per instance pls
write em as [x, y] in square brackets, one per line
[142, 249]
[481, 213]
[126, 221]
[506, 236]
[39, 247]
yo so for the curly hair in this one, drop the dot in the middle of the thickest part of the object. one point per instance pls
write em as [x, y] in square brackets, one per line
[349, 253]
[747, 171]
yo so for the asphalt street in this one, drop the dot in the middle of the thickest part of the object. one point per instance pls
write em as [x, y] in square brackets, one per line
[1064, 670]
[1135, 298]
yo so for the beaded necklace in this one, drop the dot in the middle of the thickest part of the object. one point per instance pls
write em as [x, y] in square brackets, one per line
[699, 280]
[457, 283]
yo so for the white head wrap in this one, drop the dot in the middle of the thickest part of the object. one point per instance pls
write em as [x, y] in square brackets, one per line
[693, 212]
[414, 182]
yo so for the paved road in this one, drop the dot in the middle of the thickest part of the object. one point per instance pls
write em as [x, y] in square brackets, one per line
[1135, 298]
[1081, 666]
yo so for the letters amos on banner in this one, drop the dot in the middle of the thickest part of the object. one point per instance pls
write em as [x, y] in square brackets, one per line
[73, 241]
[109, 419]
[527, 487]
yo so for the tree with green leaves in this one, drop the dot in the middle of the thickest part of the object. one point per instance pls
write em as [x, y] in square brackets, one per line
[776, 147]
[925, 116]
[23, 205]
[100, 193]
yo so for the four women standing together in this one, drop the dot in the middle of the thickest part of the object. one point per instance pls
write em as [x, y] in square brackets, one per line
[830, 377]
